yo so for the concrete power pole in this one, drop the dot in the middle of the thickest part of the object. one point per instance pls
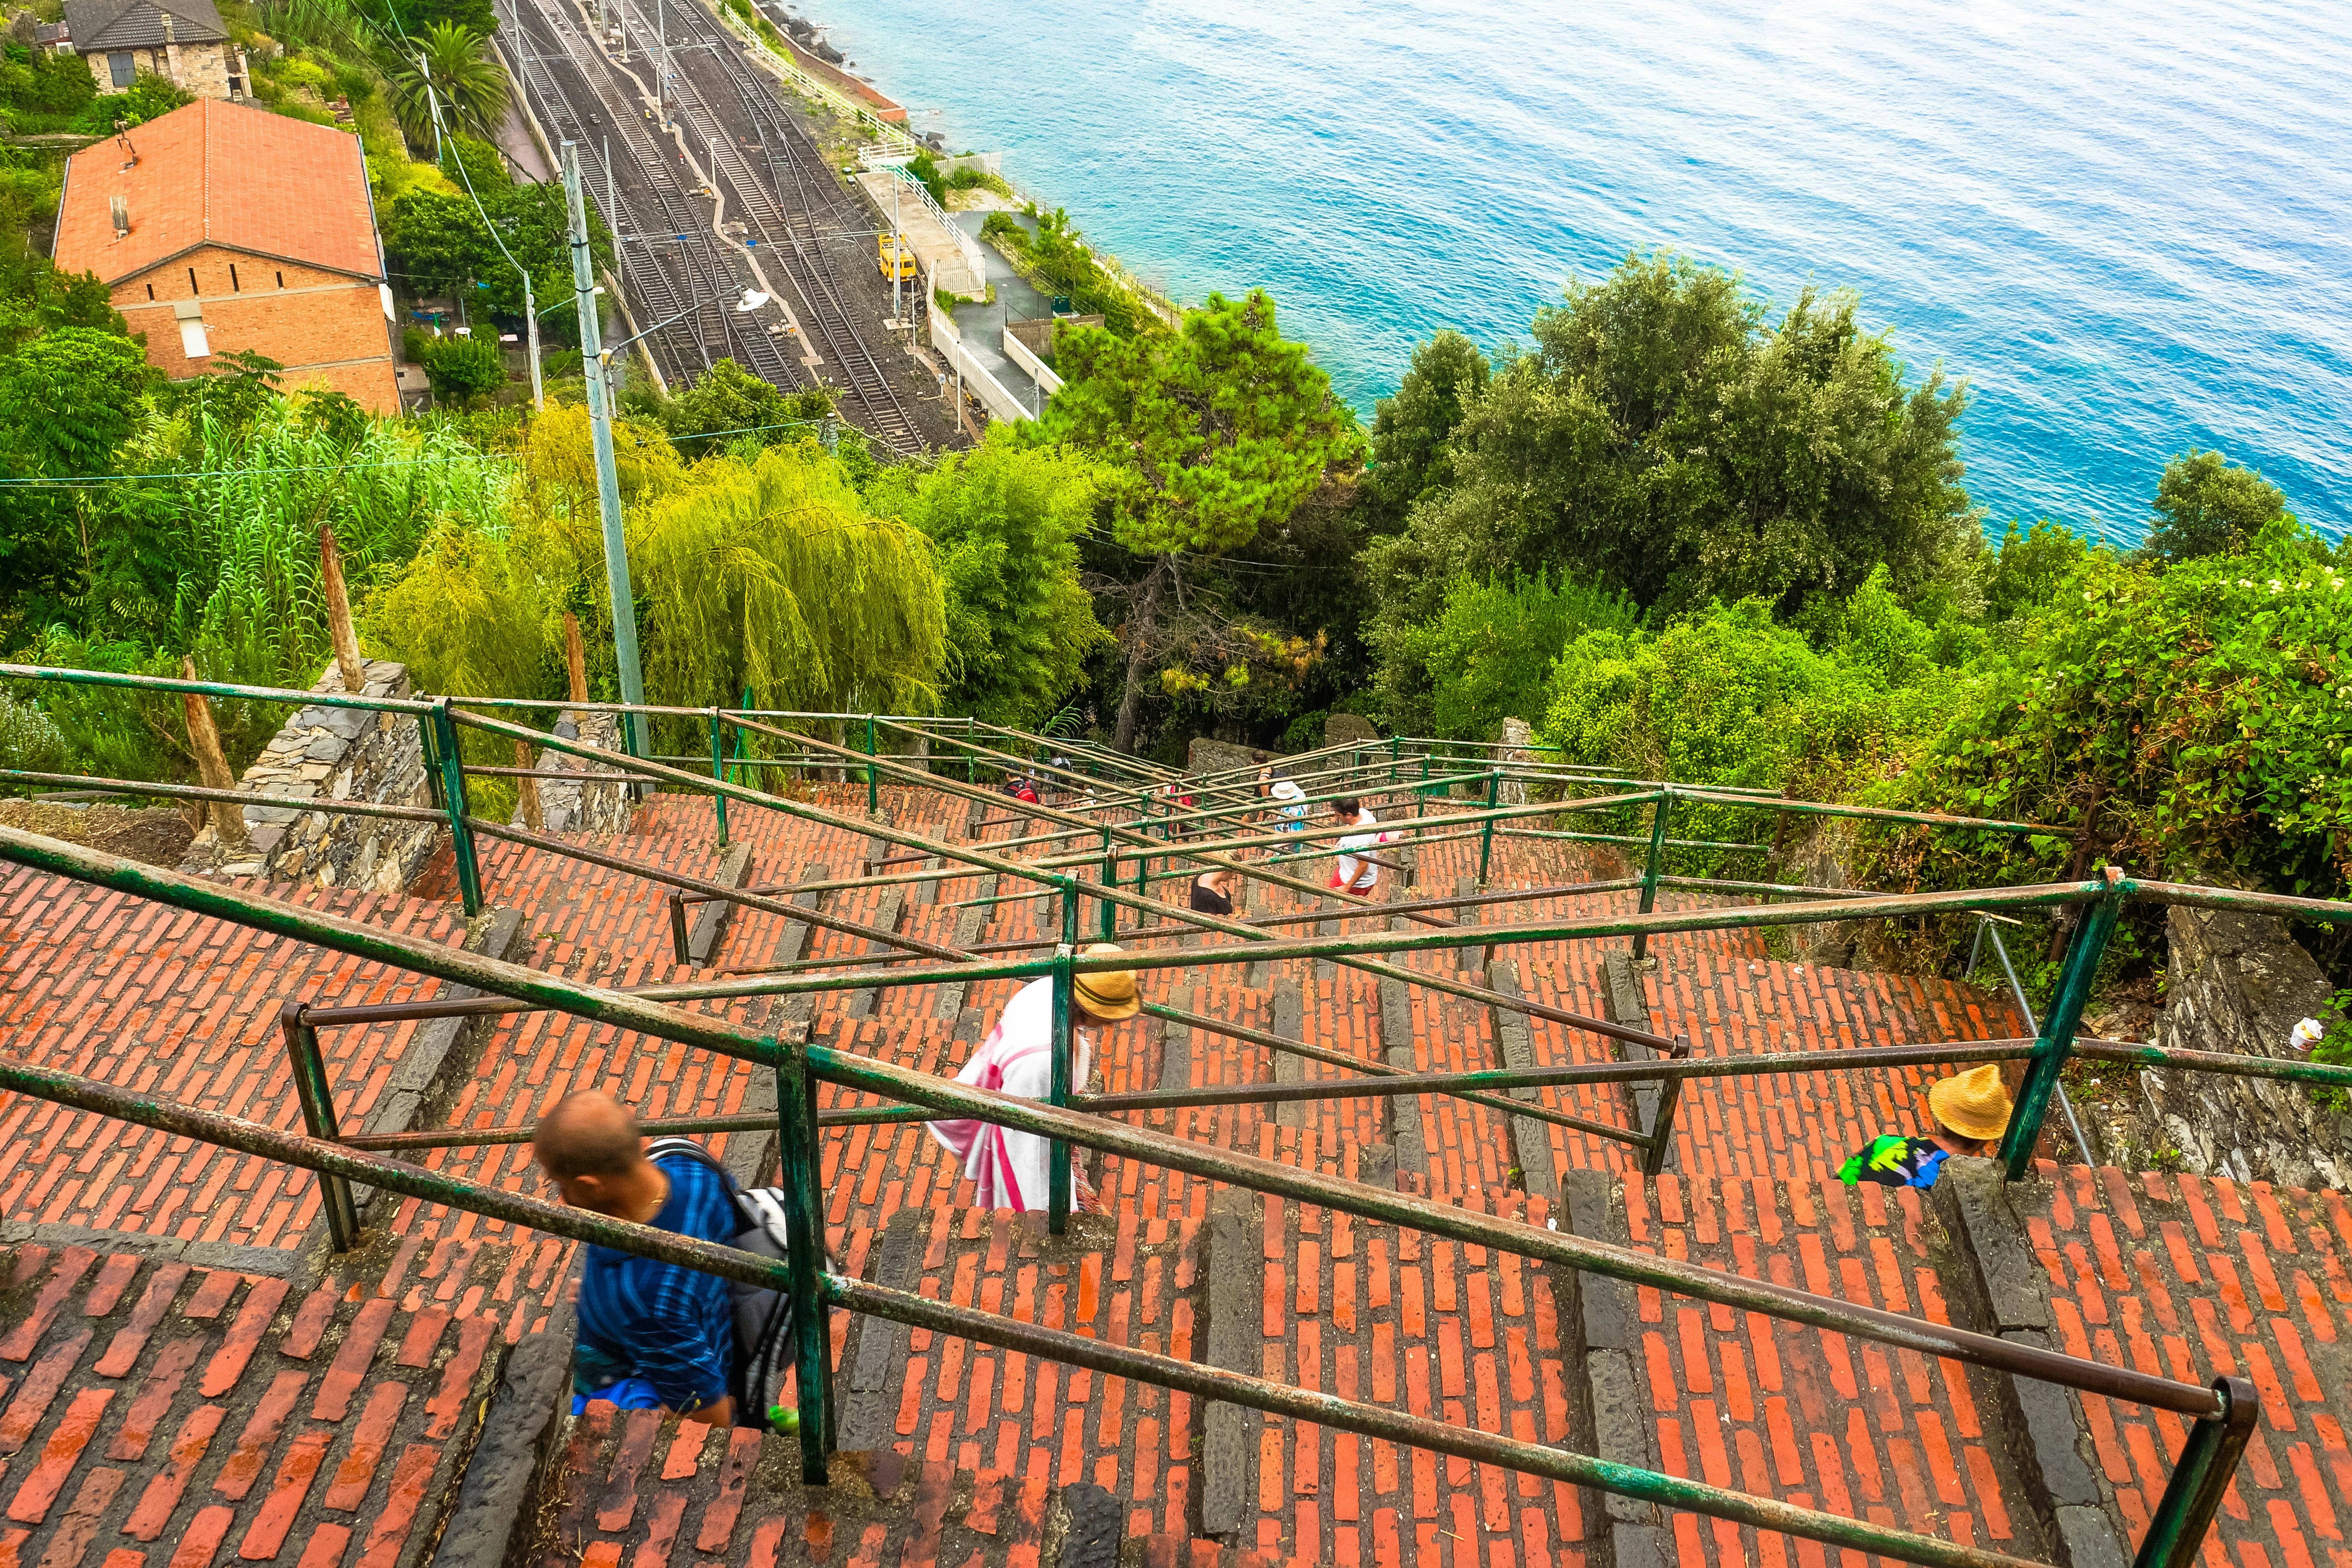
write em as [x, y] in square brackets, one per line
[608, 483]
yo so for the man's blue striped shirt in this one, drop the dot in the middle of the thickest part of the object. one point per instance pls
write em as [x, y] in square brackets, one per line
[673, 1327]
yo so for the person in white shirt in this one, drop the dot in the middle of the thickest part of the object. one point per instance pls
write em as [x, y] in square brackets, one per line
[1354, 873]
[1017, 1059]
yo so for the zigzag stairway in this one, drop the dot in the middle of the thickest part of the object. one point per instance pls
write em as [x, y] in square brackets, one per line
[195, 1377]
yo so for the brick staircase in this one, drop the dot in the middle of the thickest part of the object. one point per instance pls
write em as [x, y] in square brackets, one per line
[159, 1412]
[98, 984]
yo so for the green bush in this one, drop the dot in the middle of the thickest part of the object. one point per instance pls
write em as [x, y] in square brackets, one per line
[1731, 697]
[463, 371]
[2191, 718]
[1489, 653]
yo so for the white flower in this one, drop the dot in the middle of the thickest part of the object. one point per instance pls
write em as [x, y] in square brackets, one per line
[2274, 584]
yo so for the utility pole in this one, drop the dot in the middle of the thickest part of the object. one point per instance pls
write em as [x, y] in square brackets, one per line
[530, 319]
[608, 483]
[661, 71]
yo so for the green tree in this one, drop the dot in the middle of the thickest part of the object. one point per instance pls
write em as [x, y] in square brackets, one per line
[463, 371]
[1410, 431]
[447, 67]
[1663, 437]
[2031, 569]
[69, 399]
[1207, 434]
[420, 16]
[1003, 522]
[1488, 655]
[2205, 505]
[731, 400]
[2194, 717]
[439, 242]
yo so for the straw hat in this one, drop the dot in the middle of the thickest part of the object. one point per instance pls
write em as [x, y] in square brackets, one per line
[1285, 790]
[1109, 994]
[1972, 1104]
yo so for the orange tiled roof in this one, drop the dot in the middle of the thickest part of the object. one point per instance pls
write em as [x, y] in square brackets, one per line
[220, 174]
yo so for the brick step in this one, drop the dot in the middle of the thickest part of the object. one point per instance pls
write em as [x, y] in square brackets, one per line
[162, 1411]
[648, 1489]
[1762, 1406]
[2193, 1278]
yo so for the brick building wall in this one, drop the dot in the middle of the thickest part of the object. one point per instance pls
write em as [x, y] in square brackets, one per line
[324, 327]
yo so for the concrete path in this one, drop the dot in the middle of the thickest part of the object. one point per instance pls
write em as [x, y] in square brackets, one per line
[982, 322]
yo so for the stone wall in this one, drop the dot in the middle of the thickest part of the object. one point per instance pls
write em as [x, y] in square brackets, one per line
[566, 808]
[334, 754]
[2239, 984]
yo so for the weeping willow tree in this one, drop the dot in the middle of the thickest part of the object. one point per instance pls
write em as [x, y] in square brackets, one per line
[771, 576]
[767, 576]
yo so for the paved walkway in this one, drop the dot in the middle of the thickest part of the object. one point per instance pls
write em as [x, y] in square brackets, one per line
[2183, 1276]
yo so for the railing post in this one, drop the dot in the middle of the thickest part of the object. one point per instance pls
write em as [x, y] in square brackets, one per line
[2056, 1041]
[873, 780]
[1486, 828]
[1661, 1122]
[2208, 1458]
[1396, 752]
[1110, 879]
[453, 801]
[1057, 1162]
[803, 1173]
[432, 762]
[1658, 816]
[718, 772]
[317, 1095]
[1421, 796]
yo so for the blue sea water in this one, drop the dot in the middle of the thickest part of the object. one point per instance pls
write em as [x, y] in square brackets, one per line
[2126, 223]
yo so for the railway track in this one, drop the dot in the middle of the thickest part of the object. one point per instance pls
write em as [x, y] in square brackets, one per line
[669, 257]
[786, 198]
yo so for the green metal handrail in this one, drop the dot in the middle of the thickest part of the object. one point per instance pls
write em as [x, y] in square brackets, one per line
[2223, 1413]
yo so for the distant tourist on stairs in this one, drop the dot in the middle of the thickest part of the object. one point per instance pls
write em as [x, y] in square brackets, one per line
[1212, 892]
[1017, 1059]
[1289, 804]
[652, 1335]
[1356, 872]
[1971, 1111]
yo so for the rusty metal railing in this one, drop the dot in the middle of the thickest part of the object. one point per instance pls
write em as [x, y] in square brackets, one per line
[2222, 1414]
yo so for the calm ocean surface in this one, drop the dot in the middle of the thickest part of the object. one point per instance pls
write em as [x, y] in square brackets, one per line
[2129, 223]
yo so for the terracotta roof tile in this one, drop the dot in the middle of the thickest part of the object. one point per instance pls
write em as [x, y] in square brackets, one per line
[221, 173]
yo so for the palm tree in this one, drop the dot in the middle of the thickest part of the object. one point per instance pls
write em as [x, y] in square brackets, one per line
[451, 64]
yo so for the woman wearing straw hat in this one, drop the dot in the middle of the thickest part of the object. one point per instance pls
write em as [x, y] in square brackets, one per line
[1970, 1111]
[1017, 1059]
[1289, 802]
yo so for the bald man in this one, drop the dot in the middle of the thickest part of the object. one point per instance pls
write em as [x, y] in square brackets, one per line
[652, 1334]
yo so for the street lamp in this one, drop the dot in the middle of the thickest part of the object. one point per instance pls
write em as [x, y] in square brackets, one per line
[752, 300]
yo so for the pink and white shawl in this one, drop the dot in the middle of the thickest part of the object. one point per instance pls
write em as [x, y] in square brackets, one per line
[1017, 1057]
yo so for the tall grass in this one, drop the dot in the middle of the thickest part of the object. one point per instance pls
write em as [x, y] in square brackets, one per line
[254, 609]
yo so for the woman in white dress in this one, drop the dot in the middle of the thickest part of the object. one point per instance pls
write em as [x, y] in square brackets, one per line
[1017, 1059]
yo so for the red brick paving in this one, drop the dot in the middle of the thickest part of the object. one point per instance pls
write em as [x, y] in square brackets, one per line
[86, 1463]
[188, 1006]
[2192, 1278]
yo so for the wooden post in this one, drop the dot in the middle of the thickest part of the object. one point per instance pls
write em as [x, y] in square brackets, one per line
[338, 614]
[576, 657]
[529, 792]
[212, 763]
